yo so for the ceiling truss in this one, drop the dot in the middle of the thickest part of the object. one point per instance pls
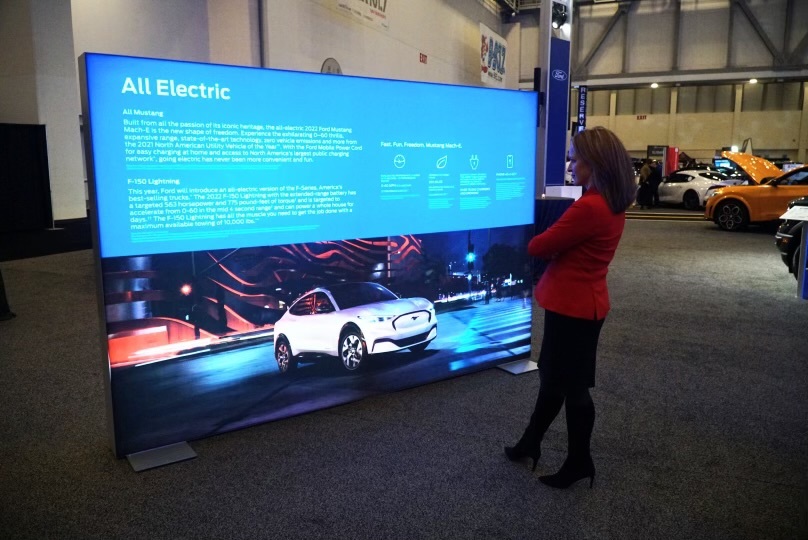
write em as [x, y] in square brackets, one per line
[784, 62]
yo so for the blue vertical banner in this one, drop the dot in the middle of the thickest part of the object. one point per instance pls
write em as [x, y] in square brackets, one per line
[558, 92]
[802, 272]
[582, 91]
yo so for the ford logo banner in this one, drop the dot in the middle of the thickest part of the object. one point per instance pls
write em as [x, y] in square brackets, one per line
[559, 75]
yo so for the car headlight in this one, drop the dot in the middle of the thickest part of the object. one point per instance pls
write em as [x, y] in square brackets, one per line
[376, 318]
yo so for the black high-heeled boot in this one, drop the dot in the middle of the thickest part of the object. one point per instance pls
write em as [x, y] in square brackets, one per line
[569, 474]
[548, 403]
[578, 465]
[522, 451]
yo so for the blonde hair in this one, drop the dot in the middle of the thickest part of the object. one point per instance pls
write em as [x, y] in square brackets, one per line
[612, 170]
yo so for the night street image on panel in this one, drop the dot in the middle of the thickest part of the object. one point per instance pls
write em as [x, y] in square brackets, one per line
[202, 343]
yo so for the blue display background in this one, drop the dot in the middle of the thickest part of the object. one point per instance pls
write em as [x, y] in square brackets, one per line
[489, 125]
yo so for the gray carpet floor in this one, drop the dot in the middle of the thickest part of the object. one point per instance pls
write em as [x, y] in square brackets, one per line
[702, 426]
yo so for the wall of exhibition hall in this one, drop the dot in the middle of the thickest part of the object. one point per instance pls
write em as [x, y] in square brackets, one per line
[707, 111]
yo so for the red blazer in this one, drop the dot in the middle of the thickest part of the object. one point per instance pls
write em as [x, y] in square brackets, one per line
[580, 246]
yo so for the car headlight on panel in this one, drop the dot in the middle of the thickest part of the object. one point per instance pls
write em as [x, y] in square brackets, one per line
[376, 318]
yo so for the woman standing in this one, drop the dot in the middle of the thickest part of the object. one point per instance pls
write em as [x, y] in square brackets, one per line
[573, 292]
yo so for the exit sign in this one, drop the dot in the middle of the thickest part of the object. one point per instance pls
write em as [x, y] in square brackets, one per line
[642, 117]
[422, 58]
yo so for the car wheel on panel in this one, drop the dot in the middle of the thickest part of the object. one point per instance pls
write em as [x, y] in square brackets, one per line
[352, 349]
[795, 263]
[283, 355]
[731, 215]
[691, 200]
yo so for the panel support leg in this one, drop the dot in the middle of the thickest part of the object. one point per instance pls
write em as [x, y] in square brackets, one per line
[517, 367]
[162, 455]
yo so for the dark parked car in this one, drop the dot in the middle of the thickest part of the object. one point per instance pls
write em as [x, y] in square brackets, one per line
[788, 238]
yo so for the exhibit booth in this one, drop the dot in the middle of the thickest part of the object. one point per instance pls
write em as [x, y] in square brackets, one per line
[274, 242]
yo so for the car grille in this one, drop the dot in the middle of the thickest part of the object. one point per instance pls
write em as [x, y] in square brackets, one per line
[406, 342]
[407, 320]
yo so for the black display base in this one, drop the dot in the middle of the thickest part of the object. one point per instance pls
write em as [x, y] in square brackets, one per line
[64, 236]
[163, 455]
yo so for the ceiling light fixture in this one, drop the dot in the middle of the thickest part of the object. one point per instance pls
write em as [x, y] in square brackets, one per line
[560, 16]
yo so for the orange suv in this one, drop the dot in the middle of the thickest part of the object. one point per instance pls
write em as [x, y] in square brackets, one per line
[733, 208]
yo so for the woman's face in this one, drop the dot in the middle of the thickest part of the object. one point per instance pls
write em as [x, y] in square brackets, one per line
[580, 170]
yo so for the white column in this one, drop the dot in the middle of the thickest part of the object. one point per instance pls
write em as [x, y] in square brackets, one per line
[803, 138]
[613, 110]
[545, 33]
[58, 105]
[38, 85]
[736, 115]
[674, 106]
[552, 132]
[18, 97]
